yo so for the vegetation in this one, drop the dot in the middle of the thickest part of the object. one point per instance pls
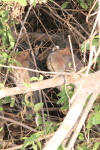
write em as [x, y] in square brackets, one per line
[25, 125]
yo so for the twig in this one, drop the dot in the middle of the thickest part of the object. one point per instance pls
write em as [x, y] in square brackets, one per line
[74, 112]
[83, 118]
[19, 123]
[44, 72]
[72, 52]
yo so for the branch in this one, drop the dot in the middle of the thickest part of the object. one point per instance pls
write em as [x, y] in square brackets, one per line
[87, 88]
[48, 83]
[82, 119]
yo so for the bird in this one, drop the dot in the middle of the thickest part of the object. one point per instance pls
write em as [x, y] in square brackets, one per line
[61, 60]
[21, 76]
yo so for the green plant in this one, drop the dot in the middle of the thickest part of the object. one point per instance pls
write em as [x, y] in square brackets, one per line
[85, 4]
[87, 44]
[83, 147]
[5, 30]
[64, 98]
[32, 140]
[49, 126]
[22, 2]
[95, 117]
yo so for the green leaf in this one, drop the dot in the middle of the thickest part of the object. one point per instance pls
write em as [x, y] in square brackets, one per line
[30, 140]
[28, 116]
[96, 146]
[11, 40]
[64, 5]
[81, 136]
[18, 63]
[60, 147]
[51, 0]
[98, 60]
[1, 27]
[96, 119]
[34, 79]
[7, 100]
[28, 103]
[1, 129]
[83, 46]
[39, 144]
[34, 146]
[34, 3]
[41, 77]
[4, 15]
[69, 65]
[27, 85]
[5, 39]
[4, 54]
[12, 103]
[62, 100]
[1, 86]
[89, 124]
[1, 109]
[66, 106]
[63, 95]
[38, 106]
[48, 127]
[22, 2]
[39, 121]
[94, 42]
[84, 5]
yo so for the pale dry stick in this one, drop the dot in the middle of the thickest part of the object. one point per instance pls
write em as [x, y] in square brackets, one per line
[83, 118]
[95, 23]
[93, 14]
[91, 10]
[72, 52]
[19, 123]
[67, 92]
[86, 42]
[96, 55]
[79, 88]
[74, 112]
[44, 72]
[85, 134]
[6, 77]
[77, 91]
[53, 78]
[73, 78]
[90, 60]
[85, 52]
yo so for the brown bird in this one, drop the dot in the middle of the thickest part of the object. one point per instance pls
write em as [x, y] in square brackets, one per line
[61, 61]
[20, 75]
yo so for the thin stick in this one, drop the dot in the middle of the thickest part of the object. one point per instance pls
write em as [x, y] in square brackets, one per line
[72, 52]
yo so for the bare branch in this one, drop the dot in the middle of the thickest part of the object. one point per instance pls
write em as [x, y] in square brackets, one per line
[75, 110]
